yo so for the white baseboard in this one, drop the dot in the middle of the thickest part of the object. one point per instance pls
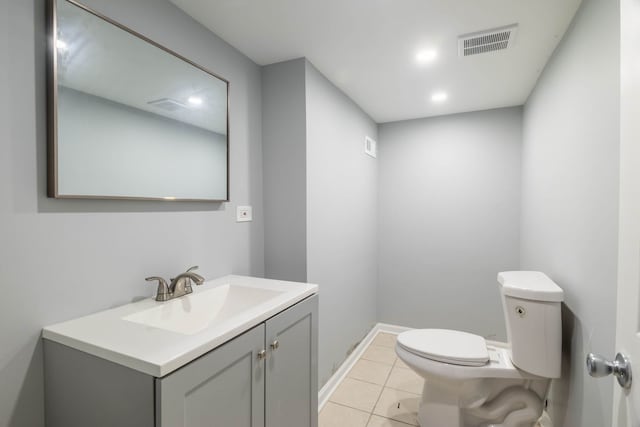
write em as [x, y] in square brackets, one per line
[391, 329]
[343, 370]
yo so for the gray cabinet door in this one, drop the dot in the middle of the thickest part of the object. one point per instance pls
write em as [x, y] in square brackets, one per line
[292, 367]
[223, 388]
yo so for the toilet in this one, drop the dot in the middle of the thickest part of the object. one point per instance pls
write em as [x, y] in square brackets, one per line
[472, 382]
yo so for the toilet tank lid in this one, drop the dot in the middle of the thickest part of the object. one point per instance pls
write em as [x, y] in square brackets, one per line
[532, 285]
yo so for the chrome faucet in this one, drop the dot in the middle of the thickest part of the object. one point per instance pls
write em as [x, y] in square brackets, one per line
[179, 286]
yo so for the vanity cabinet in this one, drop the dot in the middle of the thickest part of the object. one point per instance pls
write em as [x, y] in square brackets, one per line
[265, 377]
[225, 387]
[292, 367]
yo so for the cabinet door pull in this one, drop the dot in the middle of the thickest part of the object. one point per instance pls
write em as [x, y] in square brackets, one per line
[262, 354]
[275, 345]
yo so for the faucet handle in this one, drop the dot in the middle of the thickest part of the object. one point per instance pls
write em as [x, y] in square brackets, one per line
[162, 294]
[189, 270]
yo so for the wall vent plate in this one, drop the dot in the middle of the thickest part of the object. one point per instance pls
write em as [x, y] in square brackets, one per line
[370, 146]
[487, 41]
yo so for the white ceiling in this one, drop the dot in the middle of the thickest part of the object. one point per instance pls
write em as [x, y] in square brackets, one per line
[367, 47]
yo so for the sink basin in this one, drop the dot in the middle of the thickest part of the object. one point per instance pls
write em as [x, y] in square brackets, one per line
[156, 338]
[194, 313]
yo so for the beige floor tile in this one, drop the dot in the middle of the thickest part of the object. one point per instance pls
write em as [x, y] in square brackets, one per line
[406, 380]
[380, 354]
[356, 394]
[398, 405]
[377, 421]
[370, 371]
[333, 415]
[385, 340]
[401, 364]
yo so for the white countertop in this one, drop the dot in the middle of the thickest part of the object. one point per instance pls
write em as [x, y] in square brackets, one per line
[157, 351]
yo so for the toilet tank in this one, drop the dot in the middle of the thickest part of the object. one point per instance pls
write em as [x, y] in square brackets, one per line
[531, 303]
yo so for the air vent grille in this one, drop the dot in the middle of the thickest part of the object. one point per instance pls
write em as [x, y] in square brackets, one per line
[487, 41]
[167, 104]
[370, 146]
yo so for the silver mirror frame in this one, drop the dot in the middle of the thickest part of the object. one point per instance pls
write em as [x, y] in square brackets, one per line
[52, 106]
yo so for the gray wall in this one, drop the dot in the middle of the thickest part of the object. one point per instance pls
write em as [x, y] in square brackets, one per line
[111, 149]
[449, 217]
[317, 178]
[341, 218]
[285, 169]
[570, 199]
[60, 259]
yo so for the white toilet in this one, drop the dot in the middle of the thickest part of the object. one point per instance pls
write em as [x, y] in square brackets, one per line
[471, 382]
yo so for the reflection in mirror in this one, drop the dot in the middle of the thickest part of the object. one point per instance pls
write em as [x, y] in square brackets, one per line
[130, 119]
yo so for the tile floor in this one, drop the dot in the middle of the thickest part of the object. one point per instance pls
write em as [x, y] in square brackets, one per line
[379, 391]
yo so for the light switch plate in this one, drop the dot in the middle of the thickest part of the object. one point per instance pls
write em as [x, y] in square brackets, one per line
[244, 214]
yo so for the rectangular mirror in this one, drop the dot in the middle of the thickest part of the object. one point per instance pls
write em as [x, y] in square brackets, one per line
[128, 118]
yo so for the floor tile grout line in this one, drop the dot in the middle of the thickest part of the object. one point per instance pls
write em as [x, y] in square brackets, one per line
[385, 381]
[361, 410]
[393, 365]
[364, 381]
[372, 361]
[391, 419]
[381, 346]
[348, 407]
[381, 391]
[359, 380]
[396, 421]
[363, 357]
[404, 391]
[368, 420]
[370, 382]
[385, 386]
[369, 360]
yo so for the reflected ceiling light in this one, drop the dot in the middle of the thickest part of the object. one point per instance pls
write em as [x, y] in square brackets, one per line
[426, 56]
[195, 100]
[439, 97]
[61, 45]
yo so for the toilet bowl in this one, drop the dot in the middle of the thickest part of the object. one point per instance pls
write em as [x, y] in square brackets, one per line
[471, 382]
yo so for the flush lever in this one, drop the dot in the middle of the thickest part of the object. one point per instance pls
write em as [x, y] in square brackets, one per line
[598, 366]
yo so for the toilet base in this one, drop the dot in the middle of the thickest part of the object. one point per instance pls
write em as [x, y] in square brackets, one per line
[439, 405]
[494, 395]
[438, 414]
[469, 404]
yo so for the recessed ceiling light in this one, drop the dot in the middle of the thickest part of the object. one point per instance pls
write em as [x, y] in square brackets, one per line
[195, 100]
[426, 56]
[439, 97]
[61, 45]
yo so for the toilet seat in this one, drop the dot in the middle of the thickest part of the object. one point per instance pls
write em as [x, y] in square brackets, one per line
[448, 346]
[499, 365]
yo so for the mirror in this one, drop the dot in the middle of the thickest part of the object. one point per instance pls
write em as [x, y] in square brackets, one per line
[128, 118]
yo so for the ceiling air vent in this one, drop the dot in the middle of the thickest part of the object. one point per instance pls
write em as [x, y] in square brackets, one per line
[487, 41]
[167, 104]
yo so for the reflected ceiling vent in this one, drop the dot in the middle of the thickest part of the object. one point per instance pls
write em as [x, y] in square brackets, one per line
[487, 41]
[168, 104]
